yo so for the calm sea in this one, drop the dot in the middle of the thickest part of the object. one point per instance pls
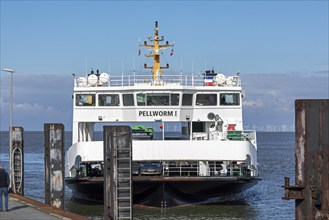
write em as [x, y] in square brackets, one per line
[263, 201]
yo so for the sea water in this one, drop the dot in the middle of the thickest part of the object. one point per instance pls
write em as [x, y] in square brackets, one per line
[263, 201]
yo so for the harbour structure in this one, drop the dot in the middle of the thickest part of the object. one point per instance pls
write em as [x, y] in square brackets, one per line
[311, 189]
[212, 159]
[21, 207]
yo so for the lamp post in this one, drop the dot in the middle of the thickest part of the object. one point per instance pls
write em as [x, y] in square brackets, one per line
[11, 167]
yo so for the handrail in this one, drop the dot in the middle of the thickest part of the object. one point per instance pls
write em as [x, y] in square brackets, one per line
[213, 168]
[183, 80]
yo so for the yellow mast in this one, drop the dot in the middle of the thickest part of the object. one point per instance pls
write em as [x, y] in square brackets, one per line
[156, 47]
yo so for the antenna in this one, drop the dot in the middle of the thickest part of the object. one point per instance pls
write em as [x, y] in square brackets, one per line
[86, 65]
[134, 66]
[181, 65]
[122, 66]
[122, 72]
[109, 65]
[155, 54]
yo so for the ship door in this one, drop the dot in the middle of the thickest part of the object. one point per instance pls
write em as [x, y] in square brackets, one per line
[199, 131]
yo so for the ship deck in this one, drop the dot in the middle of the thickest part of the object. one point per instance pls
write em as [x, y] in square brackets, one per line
[189, 178]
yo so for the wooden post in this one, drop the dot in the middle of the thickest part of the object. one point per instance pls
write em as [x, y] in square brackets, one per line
[311, 191]
[17, 134]
[54, 165]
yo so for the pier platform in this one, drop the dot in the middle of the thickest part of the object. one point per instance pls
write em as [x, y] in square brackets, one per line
[24, 208]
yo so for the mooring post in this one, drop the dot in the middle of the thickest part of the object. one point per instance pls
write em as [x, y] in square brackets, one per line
[17, 134]
[117, 172]
[311, 191]
[54, 165]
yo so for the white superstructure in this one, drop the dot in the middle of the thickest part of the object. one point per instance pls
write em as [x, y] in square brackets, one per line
[208, 113]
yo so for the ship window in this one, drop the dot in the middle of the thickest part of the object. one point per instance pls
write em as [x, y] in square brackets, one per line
[230, 99]
[128, 99]
[141, 99]
[85, 100]
[174, 99]
[108, 100]
[157, 99]
[206, 99]
[187, 99]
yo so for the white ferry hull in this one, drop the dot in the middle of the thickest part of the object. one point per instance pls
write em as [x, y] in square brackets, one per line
[171, 188]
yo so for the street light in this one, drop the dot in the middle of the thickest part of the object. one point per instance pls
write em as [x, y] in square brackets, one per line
[11, 165]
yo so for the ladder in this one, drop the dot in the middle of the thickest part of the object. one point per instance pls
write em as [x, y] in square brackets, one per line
[117, 175]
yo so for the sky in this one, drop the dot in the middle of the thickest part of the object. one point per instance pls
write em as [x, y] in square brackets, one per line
[279, 47]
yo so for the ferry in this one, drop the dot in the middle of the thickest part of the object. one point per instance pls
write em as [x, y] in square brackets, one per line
[209, 159]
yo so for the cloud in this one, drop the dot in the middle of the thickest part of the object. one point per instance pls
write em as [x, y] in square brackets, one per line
[35, 108]
[21, 107]
[253, 103]
[272, 93]
[269, 99]
[38, 99]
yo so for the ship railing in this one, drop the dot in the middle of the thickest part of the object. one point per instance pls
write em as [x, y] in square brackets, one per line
[174, 79]
[205, 169]
[238, 135]
[87, 169]
[131, 80]
[250, 135]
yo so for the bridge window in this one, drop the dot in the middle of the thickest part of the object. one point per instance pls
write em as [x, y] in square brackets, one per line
[141, 99]
[108, 100]
[157, 99]
[85, 100]
[230, 99]
[206, 99]
[187, 100]
[174, 99]
[128, 99]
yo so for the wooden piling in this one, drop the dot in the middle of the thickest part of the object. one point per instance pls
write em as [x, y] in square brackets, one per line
[311, 191]
[17, 134]
[54, 165]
